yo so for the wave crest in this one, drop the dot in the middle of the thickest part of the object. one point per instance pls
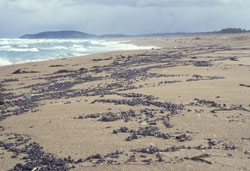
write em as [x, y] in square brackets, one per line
[11, 49]
[4, 61]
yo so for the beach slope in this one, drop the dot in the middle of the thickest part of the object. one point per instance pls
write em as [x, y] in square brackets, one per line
[185, 106]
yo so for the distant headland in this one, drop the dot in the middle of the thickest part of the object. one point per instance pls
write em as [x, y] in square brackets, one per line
[81, 35]
[57, 35]
[69, 35]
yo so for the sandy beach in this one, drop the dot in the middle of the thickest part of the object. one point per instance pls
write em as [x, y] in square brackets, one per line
[185, 106]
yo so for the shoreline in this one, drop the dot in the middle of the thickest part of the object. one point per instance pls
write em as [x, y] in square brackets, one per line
[183, 106]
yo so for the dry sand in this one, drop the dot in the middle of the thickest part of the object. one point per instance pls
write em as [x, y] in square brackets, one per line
[185, 106]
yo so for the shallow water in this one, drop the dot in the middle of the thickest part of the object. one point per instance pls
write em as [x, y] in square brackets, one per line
[14, 51]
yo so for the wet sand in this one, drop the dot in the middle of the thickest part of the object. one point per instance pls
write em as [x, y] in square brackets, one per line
[185, 106]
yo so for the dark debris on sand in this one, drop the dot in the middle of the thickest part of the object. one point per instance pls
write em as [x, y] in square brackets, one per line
[142, 132]
[122, 74]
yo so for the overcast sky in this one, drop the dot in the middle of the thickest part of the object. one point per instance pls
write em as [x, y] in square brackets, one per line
[18, 17]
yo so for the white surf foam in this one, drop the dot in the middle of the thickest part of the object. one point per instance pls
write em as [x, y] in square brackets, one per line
[23, 46]
[4, 61]
[45, 49]
[8, 48]
[55, 48]
[78, 48]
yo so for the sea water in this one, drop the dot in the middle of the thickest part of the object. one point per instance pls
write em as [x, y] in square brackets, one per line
[14, 51]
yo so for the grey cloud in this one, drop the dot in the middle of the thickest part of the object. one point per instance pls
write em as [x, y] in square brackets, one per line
[18, 17]
[167, 3]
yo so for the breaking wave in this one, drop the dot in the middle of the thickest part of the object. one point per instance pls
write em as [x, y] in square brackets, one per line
[4, 61]
[13, 51]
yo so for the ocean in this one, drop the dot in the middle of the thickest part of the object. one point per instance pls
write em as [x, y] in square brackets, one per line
[14, 51]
